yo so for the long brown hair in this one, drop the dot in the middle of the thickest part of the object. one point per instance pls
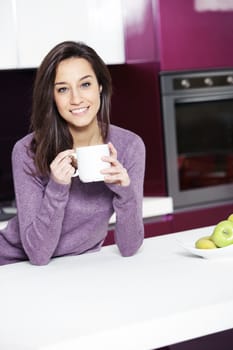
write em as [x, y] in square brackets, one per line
[51, 133]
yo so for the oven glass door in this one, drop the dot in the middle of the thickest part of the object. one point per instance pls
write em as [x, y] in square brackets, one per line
[204, 139]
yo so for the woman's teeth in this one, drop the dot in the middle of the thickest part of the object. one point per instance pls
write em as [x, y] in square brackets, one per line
[78, 110]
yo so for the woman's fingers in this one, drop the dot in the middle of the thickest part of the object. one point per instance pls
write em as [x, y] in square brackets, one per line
[62, 168]
[62, 155]
[116, 173]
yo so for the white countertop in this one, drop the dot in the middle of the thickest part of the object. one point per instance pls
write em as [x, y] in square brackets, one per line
[103, 301]
[152, 206]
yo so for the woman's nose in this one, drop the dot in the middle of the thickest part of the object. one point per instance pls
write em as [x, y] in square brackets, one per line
[76, 96]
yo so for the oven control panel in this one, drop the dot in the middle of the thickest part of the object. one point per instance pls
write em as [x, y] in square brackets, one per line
[176, 81]
[201, 82]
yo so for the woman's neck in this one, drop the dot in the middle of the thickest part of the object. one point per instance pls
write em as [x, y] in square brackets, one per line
[87, 136]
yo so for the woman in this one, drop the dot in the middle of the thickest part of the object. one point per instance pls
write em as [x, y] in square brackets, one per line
[57, 214]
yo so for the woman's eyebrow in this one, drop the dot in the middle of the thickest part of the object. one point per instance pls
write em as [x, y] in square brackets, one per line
[86, 76]
[60, 83]
[83, 78]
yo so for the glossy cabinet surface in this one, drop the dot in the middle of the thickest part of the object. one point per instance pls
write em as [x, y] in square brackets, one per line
[8, 57]
[195, 218]
[194, 39]
[35, 27]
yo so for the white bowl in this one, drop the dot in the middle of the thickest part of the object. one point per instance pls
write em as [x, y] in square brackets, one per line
[216, 253]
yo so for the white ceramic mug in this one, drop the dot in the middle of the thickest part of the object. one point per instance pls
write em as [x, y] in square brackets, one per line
[90, 163]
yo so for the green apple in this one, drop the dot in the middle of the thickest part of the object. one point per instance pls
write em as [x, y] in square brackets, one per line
[230, 217]
[222, 235]
[205, 243]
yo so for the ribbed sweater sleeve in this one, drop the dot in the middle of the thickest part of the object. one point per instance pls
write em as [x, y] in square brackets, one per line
[127, 201]
[40, 208]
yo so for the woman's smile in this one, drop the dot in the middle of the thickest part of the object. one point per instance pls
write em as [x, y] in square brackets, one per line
[79, 111]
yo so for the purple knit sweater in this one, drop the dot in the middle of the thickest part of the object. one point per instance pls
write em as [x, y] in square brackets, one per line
[56, 220]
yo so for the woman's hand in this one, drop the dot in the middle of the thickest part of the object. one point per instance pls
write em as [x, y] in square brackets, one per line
[116, 173]
[61, 167]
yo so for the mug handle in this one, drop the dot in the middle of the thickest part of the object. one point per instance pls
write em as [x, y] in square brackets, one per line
[76, 171]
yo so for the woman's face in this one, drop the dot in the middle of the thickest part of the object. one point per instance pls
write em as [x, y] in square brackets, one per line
[77, 93]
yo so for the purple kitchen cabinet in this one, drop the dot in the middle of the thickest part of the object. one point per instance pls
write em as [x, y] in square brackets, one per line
[190, 39]
[140, 31]
[158, 226]
[189, 219]
[110, 238]
[177, 35]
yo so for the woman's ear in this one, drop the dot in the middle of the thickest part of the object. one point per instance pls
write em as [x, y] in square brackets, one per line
[101, 88]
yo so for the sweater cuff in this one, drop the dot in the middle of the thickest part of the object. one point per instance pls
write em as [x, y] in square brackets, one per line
[124, 192]
[57, 190]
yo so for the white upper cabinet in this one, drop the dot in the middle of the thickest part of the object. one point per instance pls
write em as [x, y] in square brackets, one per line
[8, 56]
[40, 25]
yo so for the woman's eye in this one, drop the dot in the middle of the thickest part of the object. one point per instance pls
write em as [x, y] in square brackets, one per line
[86, 84]
[62, 89]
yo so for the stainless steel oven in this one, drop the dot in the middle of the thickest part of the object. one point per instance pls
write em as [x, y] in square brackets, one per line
[197, 111]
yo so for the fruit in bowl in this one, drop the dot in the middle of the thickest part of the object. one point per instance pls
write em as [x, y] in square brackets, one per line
[230, 217]
[222, 236]
[205, 243]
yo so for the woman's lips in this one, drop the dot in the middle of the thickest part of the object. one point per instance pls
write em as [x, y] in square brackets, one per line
[78, 111]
